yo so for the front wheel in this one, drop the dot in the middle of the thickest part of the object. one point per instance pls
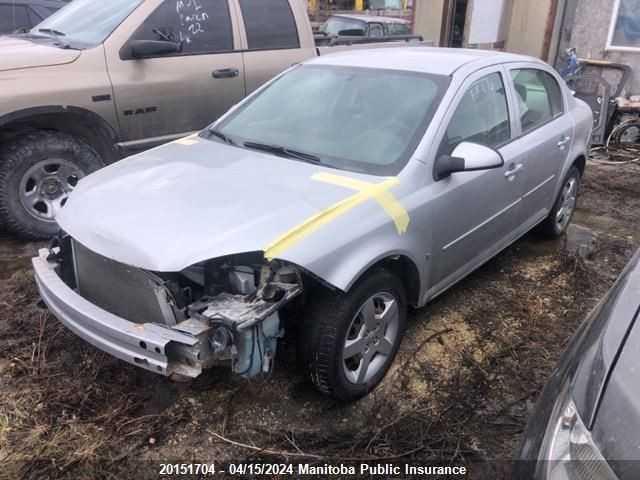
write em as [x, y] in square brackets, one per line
[349, 340]
[38, 171]
[562, 211]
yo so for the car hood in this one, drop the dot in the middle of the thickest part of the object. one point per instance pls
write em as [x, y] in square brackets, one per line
[180, 204]
[617, 419]
[611, 323]
[16, 53]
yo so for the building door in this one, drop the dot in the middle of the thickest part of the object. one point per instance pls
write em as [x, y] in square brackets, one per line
[453, 22]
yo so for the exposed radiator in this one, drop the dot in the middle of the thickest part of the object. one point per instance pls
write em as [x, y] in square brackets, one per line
[125, 291]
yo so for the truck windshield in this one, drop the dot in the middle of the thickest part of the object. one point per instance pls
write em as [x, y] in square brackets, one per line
[359, 119]
[86, 23]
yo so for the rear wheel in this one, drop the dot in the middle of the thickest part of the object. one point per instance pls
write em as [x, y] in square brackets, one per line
[349, 340]
[38, 171]
[560, 215]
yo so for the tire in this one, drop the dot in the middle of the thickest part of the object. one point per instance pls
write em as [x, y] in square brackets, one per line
[334, 318]
[565, 206]
[38, 170]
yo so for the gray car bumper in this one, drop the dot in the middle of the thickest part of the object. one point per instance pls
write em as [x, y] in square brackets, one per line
[154, 347]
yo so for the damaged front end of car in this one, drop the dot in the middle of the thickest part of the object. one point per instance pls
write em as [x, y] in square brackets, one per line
[224, 310]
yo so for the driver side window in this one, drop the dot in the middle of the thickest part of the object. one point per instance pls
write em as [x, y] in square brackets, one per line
[203, 26]
[482, 116]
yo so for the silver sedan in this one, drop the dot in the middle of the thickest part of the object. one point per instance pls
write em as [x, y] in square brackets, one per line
[342, 192]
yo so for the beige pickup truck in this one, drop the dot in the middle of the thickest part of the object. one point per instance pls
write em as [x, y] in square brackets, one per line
[99, 80]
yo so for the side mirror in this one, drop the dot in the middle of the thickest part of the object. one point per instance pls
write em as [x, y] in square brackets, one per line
[152, 48]
[467, 157]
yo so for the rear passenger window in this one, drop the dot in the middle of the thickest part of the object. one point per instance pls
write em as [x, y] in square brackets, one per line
[539, 97]
[34, 17]
[482, 116]
[12, 18]
[203, 26]
[269, 25]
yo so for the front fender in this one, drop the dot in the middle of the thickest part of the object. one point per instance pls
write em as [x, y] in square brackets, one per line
[341, 251]
[82, 114]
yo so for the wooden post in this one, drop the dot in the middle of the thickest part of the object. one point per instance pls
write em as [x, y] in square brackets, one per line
[359, 5]
[313, 5]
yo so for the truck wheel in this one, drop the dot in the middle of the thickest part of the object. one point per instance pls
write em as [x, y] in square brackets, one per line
[38, 170]
[348, 340]
[560, 215]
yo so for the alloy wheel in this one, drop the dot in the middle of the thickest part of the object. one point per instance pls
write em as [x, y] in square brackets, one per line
[370, 338]
[567, 204]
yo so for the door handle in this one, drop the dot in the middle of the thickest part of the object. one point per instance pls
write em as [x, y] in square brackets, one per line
[563, 141]
[226, 73]
[514, 171]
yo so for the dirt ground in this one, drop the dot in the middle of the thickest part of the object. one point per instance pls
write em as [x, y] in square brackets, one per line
[465, 380]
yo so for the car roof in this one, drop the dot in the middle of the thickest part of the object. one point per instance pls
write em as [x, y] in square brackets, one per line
[372, 18]
[439, 61]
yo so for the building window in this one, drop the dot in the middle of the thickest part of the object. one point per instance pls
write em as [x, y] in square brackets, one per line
[624, 33]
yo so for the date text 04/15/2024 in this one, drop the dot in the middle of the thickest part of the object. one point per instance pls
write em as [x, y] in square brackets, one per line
[307, 469]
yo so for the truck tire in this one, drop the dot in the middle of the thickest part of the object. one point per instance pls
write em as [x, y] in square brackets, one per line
[38, 170]
[347, 341]
[563, 208]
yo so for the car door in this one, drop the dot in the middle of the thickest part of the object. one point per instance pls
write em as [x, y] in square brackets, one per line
[545, 131]
[476, 213]
[170, 95]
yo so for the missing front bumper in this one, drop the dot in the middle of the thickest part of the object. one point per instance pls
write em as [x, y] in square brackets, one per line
[152, 346]
[250, 322]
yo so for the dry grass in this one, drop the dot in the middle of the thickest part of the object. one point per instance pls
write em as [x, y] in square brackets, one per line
[64, 406]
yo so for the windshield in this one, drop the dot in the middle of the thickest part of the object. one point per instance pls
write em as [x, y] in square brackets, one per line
[335, 25]
[359, 119]
[86, 23]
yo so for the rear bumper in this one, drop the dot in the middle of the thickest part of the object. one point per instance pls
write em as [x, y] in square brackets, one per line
[151, 346]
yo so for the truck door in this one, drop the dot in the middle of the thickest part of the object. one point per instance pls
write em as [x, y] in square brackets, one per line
[275, 35]
[161, 97]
